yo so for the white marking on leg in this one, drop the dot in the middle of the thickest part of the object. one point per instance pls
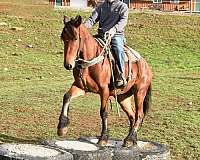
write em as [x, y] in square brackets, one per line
[65, 108]
[66, 105]
[106, 123]
[135, 129]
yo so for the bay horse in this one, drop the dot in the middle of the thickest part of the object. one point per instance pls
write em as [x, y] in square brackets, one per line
[96, 78]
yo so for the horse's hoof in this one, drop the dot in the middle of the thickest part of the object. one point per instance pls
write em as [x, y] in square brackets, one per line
[129, 143]
[62, 132]
[102, 143]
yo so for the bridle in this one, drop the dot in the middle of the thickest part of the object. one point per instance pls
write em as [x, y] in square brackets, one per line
[79, 47]
[81, 63]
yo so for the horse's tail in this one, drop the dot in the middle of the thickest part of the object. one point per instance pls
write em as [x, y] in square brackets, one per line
[147, 100]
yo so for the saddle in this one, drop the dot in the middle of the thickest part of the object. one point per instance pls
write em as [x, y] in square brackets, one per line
[131, 56]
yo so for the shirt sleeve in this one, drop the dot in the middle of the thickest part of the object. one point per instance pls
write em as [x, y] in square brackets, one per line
[94, 18]
[119, 27]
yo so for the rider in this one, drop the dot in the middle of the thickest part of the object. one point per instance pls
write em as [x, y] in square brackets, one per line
[112, 16]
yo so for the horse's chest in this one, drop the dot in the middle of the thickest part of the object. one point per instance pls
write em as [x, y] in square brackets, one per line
[91, 85]
[88, 81]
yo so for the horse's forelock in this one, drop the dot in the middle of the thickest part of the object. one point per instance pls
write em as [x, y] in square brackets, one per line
[69, 31]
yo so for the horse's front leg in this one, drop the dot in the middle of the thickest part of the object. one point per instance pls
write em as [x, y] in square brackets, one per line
[64, 118]
[103, 139]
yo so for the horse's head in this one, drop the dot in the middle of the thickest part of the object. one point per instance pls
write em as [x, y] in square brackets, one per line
[71, 38]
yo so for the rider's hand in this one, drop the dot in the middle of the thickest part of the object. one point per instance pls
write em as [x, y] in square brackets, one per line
[112, 32]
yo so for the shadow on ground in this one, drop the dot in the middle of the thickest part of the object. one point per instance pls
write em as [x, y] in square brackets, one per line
[10, 139]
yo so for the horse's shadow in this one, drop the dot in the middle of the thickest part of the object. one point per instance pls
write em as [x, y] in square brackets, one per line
[10, 139]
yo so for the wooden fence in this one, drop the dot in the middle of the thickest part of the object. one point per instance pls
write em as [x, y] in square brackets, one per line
[164, 6]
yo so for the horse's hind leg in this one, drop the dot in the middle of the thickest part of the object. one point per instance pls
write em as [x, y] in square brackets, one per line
[126, 101]
[142, 104]
[64, 119]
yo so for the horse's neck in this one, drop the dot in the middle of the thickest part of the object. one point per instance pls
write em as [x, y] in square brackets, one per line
[91, 47]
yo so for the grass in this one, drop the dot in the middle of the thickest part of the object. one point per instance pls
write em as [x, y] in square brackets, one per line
[33, 80]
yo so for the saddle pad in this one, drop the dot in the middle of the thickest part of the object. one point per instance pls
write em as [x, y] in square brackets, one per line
[131, 54]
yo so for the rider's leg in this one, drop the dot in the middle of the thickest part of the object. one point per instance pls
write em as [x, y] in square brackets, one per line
[117, 44]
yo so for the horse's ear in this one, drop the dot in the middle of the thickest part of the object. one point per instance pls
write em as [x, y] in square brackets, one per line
[65, 19]
[78, 21]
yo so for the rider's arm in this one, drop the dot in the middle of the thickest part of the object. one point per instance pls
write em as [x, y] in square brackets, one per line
[119, 27]
[94, 18]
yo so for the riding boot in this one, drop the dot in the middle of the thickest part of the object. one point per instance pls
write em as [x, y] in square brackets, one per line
[121, 81]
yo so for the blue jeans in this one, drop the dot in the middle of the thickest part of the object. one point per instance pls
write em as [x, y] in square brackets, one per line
[117, 46]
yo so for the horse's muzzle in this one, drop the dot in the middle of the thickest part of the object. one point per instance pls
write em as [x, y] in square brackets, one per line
[68, 66]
